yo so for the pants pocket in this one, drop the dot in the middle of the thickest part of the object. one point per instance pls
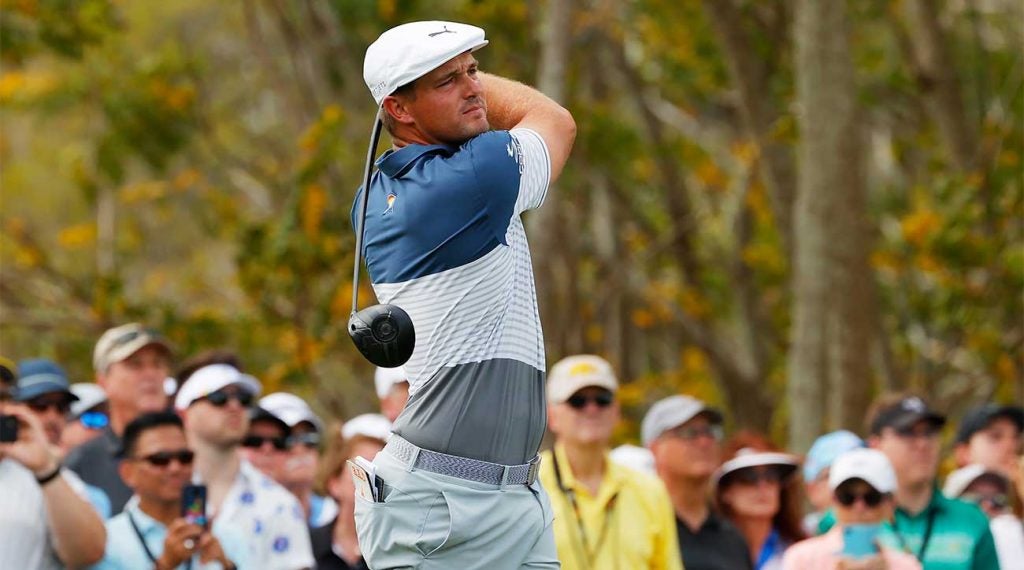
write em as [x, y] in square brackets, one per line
[437, 525]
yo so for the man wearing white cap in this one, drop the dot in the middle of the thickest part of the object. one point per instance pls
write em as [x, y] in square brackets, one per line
[862, 483]
[444, 241]
[302, 458]
[392, 389]
[607, 516]
[990, 489]
[214, 402]
[685, 437]
[131, 363]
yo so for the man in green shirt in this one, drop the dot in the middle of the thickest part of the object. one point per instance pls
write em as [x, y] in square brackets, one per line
[944, 534]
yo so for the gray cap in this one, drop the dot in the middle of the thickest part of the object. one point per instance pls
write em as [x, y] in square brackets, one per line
[671, 412]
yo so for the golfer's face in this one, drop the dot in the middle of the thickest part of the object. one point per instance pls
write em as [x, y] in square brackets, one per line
[448, 104]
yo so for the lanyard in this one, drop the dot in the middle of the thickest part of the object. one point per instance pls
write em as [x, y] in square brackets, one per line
[768, 550]
[609, 512]
[142, 540]
[927, 534]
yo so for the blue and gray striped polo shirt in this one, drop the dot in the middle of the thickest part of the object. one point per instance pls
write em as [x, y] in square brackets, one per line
[444, 240]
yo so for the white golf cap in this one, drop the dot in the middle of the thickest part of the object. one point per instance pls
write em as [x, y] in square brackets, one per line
[573, 373]
[368, 425]
[211, 378]
[958, 481]
[635, 457]
[291, 409]
[119, 343]
[748, 457]
[672, 412]
[385, 378]
[869, 465]
[89, 396]
[405, 53]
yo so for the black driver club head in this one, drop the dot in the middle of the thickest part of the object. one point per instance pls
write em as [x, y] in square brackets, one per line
[383, 334]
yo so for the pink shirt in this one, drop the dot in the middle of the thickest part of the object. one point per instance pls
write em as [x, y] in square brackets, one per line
[822, 552]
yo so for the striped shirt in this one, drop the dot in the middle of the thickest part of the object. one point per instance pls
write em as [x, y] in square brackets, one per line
[445, 241]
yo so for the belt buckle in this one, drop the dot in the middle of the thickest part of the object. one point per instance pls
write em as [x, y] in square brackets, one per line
[533, 471]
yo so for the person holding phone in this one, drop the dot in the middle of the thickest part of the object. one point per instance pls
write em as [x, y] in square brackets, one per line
[862, 482]
[155, 529]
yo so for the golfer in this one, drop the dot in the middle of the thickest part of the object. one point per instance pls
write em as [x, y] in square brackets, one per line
[444, 241]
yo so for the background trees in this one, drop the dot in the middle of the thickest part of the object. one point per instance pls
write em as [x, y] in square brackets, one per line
[779, 210]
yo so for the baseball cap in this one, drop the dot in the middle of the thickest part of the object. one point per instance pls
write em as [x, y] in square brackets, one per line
[748, 457]
[121, 342]
[291, 409]
[978, 418]
[405, 53]
[40, 376]
[671, 412]
[257, 413]
[385, 378]
[211, 378]
[869, 465]
[89, 396]
[574, 373]
[958, 481]
[369, 425]
[905, 413]
[826, 449]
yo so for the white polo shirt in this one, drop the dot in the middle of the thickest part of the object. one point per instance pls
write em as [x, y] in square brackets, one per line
[270, 517]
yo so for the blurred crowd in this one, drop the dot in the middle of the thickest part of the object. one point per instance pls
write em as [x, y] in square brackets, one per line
[93, 475]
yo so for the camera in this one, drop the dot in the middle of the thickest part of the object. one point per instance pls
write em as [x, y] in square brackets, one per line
[8, 429]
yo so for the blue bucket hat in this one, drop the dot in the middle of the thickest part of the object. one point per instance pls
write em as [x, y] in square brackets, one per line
[39, 376]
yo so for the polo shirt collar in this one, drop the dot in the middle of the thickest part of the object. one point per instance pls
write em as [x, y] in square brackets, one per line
[395, 163]
[146, 523]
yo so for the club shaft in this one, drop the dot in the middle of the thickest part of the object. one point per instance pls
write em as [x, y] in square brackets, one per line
[361, 220]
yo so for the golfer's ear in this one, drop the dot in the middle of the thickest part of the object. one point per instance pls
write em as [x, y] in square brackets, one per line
[395, 106]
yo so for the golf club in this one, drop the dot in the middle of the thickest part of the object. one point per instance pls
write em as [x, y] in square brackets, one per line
[383, 334]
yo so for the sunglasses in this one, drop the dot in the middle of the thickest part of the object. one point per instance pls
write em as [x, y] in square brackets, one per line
[94, 420]
[691, 433]
[220, 398]
[61, 406]
[310, 440]
[257, 441]
[754, 476]
[164, 458]
[996, 502]
[580, 401]
[871, 498]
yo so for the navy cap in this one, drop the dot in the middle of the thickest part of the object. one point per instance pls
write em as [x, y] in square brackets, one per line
[906, 413]
[979, 418]
[39, 376]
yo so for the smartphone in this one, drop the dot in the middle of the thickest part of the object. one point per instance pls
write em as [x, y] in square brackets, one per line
[193, 504]
[8, 429]
[859, 540]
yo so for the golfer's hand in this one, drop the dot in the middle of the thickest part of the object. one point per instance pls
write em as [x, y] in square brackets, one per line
[182, 540]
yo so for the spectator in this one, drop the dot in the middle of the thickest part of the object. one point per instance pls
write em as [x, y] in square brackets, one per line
[44, 523]
[214, 403]
[636, 458]
[940, 532]
[989, 489]
[685, 438]
[131, 363]
[266, 443]
[150, 531]
[335, 545]
[606, 515]
[375, 425]
[755, 489]
[393, 390]
[862, 482]
[88, 418]
[990, 435]
[302, 458]
[816, 471]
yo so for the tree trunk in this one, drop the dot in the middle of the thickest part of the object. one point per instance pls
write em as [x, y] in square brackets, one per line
[829, 298]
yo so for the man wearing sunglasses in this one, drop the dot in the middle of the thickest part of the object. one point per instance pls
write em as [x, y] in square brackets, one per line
[151, 532]
[302, 458]
[45, 523]
[131, 363]
[943, 534]
[862, 482]
[214, 402]
[606, 516]
[44, 389]
[685, 437]
[990, 489]
[266, 443]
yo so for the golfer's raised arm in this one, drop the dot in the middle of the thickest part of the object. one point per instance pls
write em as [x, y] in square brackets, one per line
[511, 104]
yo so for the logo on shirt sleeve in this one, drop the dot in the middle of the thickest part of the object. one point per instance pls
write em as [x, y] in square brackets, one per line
[515, 151]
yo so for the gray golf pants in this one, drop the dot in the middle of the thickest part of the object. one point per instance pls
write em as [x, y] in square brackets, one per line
[432, 521]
